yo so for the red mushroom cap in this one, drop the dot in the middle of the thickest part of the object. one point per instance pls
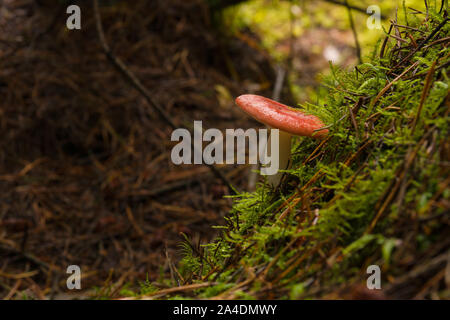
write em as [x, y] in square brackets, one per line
[280, 116]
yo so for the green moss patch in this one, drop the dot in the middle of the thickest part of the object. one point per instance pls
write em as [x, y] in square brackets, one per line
[375, 192]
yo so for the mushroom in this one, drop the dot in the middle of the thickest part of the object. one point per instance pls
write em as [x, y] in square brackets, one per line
[289, 121]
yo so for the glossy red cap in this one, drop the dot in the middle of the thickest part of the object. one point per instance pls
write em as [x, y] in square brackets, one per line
[280, 116]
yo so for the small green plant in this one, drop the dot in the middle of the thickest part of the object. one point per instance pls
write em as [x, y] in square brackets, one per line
[146, 287]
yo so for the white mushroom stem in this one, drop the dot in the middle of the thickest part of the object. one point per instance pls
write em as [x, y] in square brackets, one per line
[284, 151]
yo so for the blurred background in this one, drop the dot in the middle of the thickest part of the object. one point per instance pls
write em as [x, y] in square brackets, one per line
[85, 172]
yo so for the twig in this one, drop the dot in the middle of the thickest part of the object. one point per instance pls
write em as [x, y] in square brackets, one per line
[437, 42]
[188, 287]
[13, 290]
[29, 256]
[421, 44]
[353, 120]
[391, 191]
[355, 34]
[137, 84]
[398, 38]
[406, 27]
[426, 90]
[176, 276]
[168, 187]
[422, 270]
[127, 72]
[383, 46]
[442, 5]
[133, 221]
[383, 91]
[352, 7]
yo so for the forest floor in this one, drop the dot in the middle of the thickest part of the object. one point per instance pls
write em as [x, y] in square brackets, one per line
[85, 171]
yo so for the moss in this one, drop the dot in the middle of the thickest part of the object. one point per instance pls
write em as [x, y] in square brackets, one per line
[355, 199]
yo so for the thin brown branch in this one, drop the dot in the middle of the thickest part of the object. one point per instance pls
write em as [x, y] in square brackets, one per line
[359, 9]
[137, 84]
[426, 90]
[421, 44]
[355, 34]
